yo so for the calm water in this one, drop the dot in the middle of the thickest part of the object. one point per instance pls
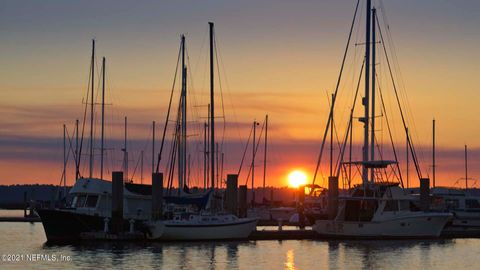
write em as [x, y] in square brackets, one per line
[27, 238]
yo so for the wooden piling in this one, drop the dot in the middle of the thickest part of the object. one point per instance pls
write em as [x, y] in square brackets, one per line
[157, 196]
[242, 201]
[301, 207]
[425, 193]
[117, 202]
[231, 194]
[332, 197]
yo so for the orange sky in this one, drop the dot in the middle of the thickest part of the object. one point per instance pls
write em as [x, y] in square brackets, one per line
[278, 58]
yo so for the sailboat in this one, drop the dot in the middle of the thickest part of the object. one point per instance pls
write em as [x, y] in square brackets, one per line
[206, 221]
[379, 207]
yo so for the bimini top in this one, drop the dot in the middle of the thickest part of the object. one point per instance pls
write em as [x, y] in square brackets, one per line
[200, 200]
[376, 164]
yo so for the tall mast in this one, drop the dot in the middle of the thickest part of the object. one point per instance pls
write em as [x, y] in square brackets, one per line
[367, 96]
[372, 137]
[433, 151]
[102, 149]
[153, 146]
[182, 155]
[212, 109]
[91, 109]
[265, 156]
[77, 158]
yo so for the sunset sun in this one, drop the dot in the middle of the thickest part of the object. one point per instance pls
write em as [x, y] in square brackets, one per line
[297, 178]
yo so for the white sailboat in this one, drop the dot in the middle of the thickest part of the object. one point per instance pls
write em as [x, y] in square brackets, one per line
[204, 222]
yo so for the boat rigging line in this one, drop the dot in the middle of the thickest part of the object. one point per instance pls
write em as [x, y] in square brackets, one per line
[335, 93]
[410, 143]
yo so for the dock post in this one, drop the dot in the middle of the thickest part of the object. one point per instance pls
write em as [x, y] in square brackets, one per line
[425, 193]
[117, 202]
[242, 201]
[157, 196]
[332, 197]
[231, 194]
[301, 207]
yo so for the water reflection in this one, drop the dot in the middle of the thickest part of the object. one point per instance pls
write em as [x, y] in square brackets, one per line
[377, 254]
[29, 239]
[290, 260]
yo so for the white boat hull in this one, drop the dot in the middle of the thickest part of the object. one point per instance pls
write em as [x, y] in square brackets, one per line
[425, 225]
[174, 231]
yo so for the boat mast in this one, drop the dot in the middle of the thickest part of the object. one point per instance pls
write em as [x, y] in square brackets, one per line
[253, 162]
[367, 96]
[77, 158]
[102, 149]
[182, 147]
[212, 109]
[433, 151]
[91, 109]
[265, 157]
[372, 137]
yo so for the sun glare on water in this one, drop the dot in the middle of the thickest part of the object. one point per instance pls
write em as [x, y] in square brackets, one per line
[297, 178]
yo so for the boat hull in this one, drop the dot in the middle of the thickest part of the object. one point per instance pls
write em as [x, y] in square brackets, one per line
[171, 231]
[67, 226]
[420, 226]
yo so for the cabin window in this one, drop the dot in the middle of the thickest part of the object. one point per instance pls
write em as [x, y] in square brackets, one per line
[359, 210]
[91, 201]
[452, 204]
[391, 205]
[81, 200]
[472, 203]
